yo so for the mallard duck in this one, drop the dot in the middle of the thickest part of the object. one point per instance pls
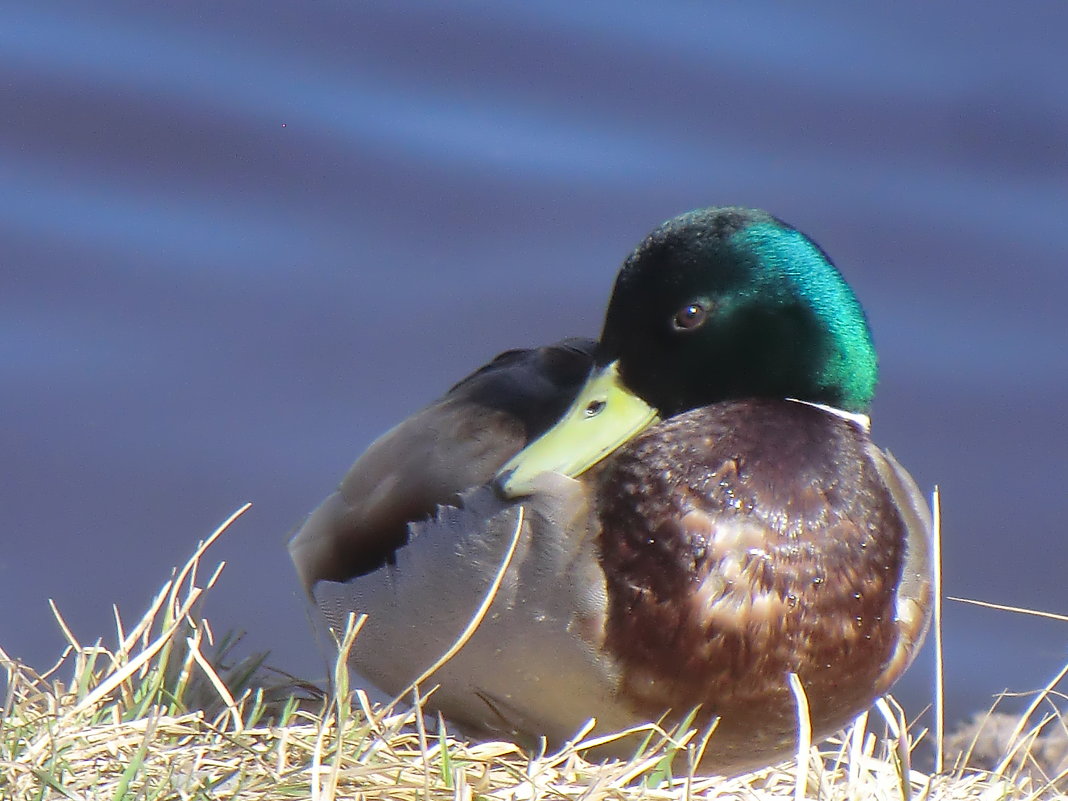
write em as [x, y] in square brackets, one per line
[708, 517]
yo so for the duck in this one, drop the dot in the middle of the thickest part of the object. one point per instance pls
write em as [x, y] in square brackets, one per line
[687, 518]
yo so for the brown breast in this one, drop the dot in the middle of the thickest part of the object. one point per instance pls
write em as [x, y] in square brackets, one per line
[743, 542]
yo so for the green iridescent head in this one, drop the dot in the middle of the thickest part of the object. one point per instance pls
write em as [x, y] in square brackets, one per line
[728, 303]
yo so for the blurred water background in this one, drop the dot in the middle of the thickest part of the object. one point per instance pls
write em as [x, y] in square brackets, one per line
[238, 240]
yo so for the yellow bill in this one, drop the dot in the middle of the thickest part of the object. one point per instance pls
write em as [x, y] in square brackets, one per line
[604, 416]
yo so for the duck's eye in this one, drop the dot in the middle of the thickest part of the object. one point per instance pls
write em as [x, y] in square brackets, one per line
[690, 317]
[595, 408]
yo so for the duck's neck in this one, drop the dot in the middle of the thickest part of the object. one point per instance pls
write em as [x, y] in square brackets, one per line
[862, 421]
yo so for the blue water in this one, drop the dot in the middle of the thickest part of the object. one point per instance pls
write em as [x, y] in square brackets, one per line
[237, 241]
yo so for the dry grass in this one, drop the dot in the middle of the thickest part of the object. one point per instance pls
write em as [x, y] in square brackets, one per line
[156, 717]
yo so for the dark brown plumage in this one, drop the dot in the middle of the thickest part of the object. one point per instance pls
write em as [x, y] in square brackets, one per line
[458, 442]
[738, 550]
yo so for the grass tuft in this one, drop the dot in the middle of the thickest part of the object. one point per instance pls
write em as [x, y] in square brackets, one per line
[166, 713]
